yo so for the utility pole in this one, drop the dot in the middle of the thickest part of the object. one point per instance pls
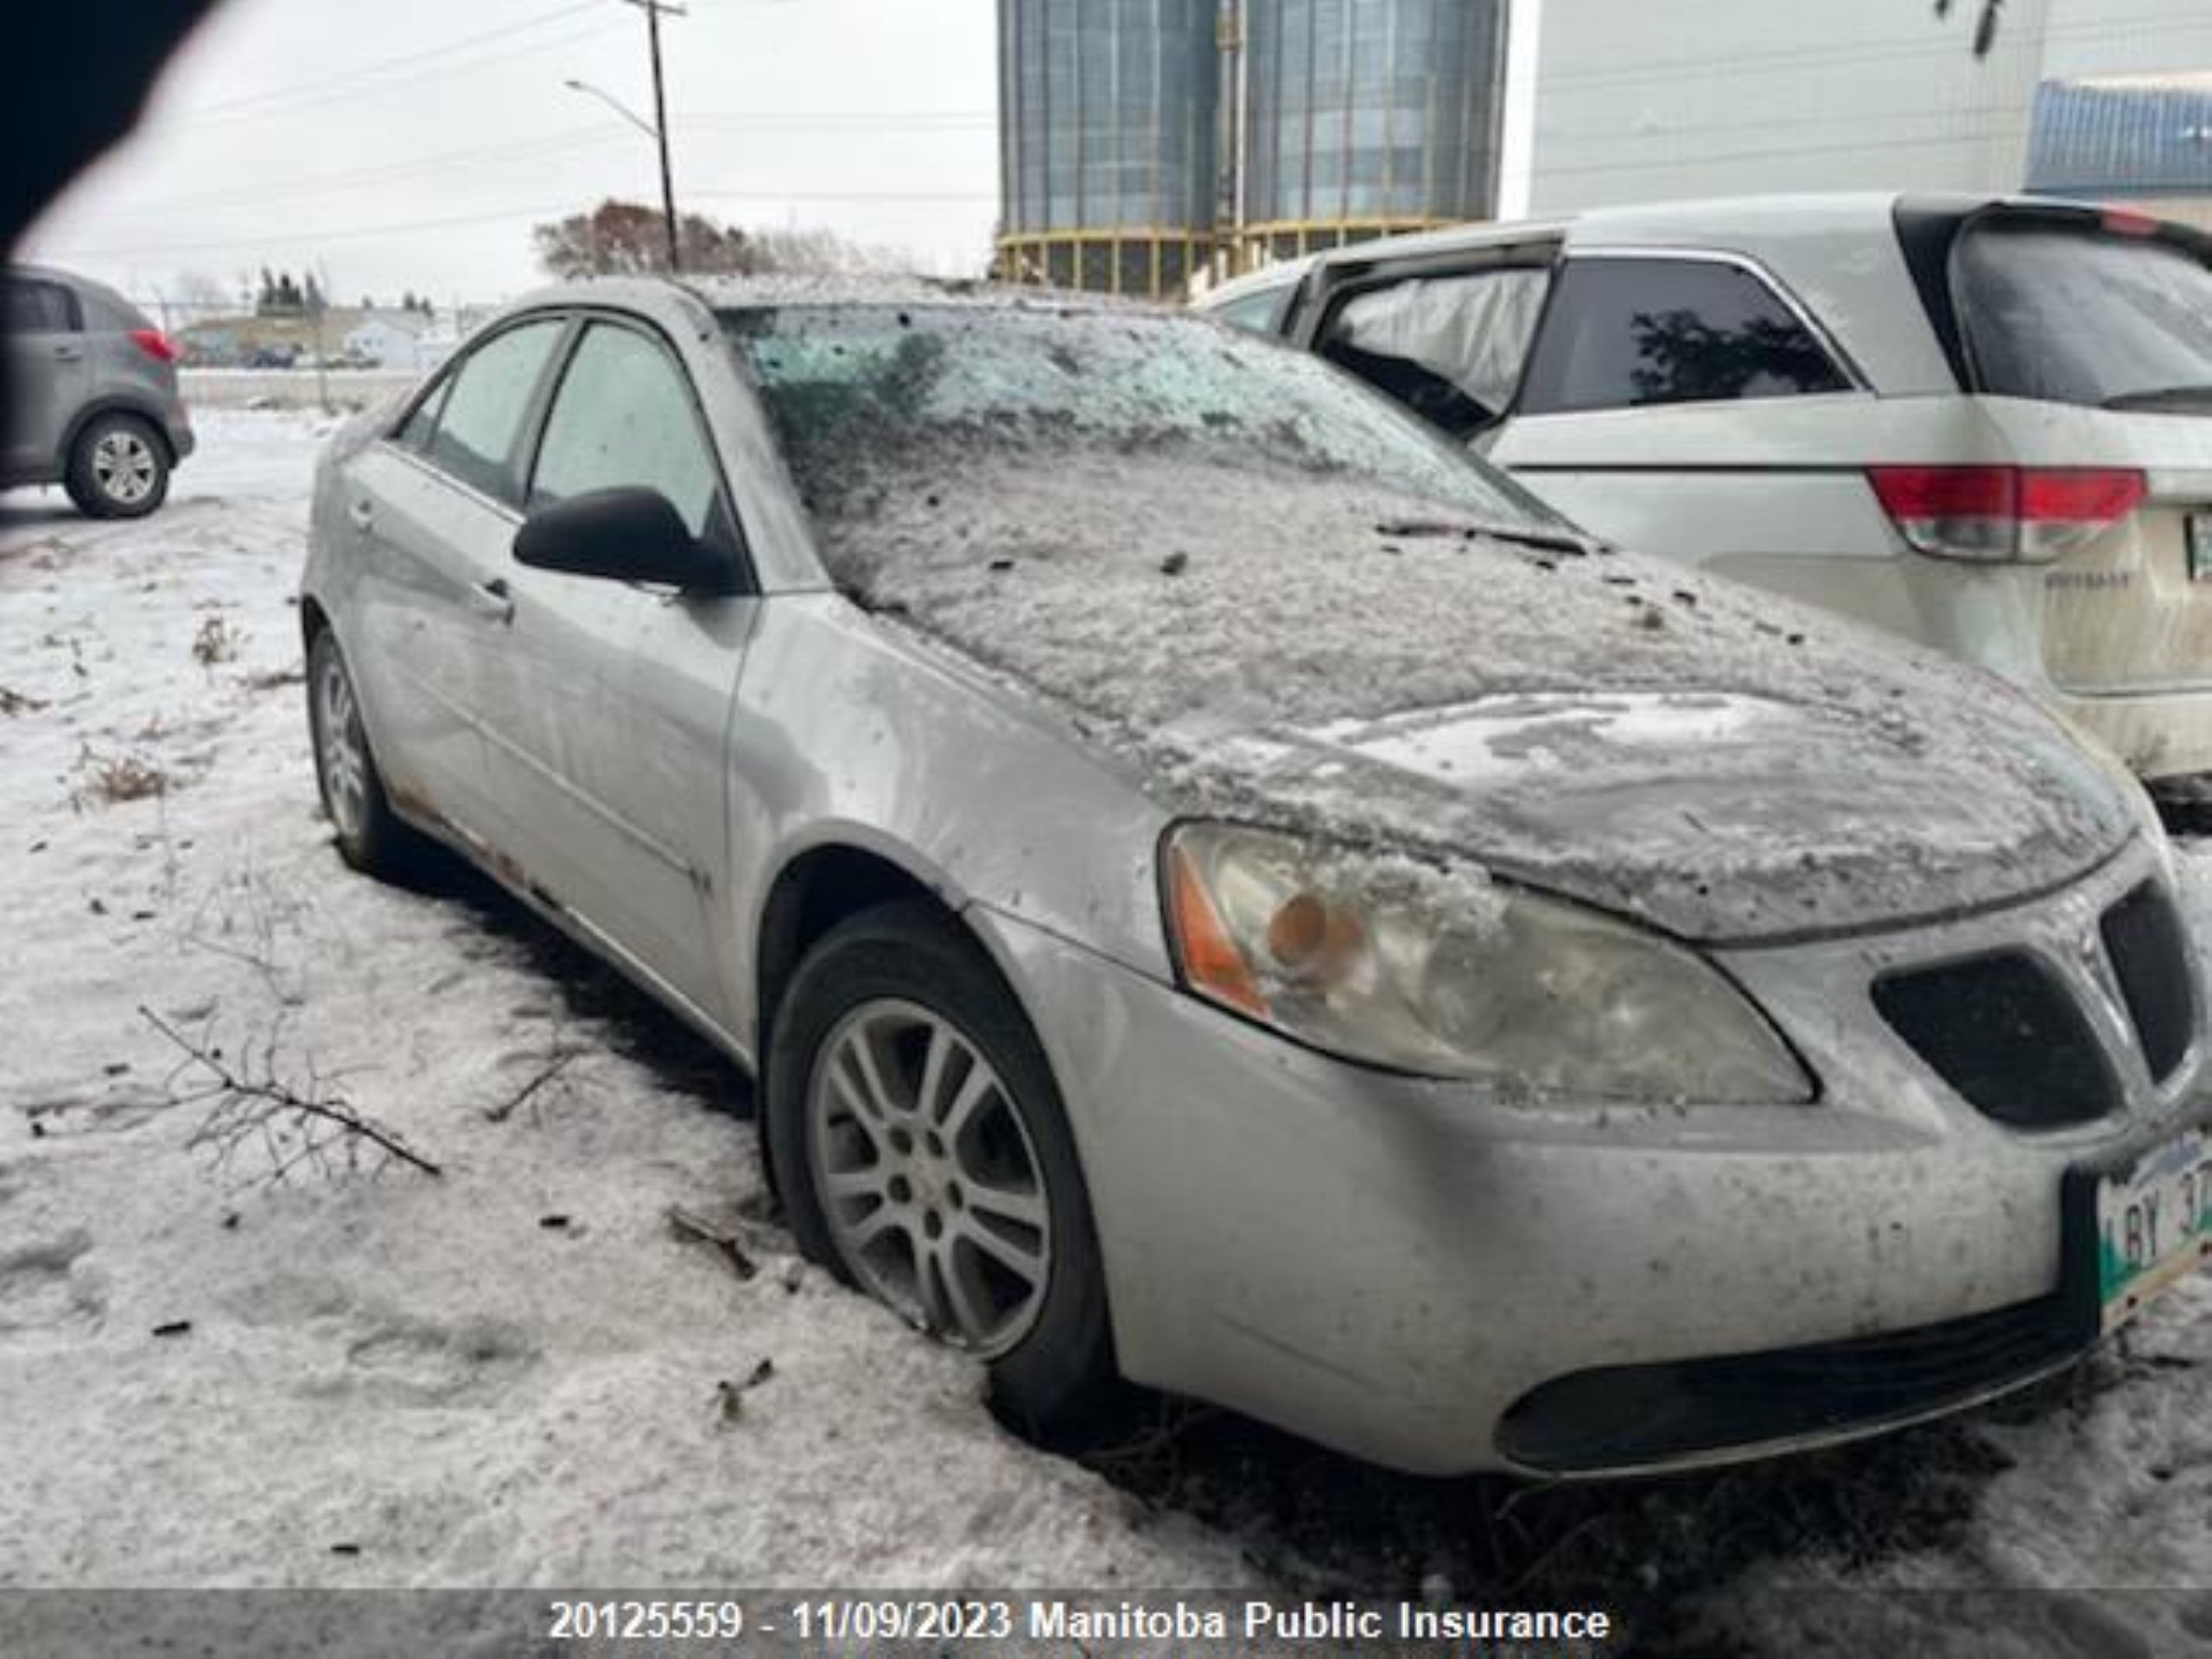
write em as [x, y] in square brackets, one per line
[652, 8]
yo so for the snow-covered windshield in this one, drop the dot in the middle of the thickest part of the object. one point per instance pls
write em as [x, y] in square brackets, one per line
[875, 400]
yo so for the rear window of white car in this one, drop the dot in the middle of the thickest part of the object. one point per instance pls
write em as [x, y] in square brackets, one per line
[2077, 315]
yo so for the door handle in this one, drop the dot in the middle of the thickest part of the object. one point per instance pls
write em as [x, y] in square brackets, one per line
[68, 351]
[362, 515]
[493, 600]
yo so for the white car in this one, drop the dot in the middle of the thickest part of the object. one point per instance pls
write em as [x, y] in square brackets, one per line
[1984, 423]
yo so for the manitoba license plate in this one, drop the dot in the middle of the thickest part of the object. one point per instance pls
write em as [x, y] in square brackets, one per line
[2154, 1223]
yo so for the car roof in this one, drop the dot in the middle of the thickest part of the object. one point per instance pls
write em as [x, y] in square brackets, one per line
[123, 310]
[1715, 220]
[55, 274]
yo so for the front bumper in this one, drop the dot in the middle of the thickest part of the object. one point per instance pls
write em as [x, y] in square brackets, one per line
[1403, 1268]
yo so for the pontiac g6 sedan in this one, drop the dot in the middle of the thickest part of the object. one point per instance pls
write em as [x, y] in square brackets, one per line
[1219, 888]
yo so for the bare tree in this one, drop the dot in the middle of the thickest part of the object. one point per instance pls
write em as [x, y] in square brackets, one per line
[199, 294]
[625, 238]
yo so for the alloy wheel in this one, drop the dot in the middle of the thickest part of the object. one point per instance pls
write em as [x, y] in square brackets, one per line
[339, 741]
[928, 1176]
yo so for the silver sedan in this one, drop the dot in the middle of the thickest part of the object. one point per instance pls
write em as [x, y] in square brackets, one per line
[1221, 890]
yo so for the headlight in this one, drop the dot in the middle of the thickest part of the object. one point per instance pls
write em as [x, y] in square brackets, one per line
[1405, 967]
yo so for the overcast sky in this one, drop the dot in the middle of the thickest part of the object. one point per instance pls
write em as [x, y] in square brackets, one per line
[412, 144]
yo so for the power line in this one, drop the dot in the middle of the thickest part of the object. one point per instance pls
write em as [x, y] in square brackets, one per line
[271, 107]
[364, 232]
[315, 183]
[358, 71]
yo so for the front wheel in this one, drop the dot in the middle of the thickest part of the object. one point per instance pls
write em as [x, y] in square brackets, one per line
[924, 1156]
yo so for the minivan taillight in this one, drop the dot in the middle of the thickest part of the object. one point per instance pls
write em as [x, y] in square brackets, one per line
[2031, 513]
[154, 343]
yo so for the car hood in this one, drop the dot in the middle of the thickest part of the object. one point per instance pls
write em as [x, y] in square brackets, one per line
[1304, 651]
[1713, 814]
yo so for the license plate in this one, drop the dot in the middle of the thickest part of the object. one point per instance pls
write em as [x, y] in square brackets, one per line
[2154, 1223]
[2200, 546]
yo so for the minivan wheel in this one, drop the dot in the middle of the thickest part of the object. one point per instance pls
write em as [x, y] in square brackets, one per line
[924, 1157]
[119, 469]
[370, 836]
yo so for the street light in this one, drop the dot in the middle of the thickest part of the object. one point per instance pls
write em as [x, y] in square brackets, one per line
[659, 136]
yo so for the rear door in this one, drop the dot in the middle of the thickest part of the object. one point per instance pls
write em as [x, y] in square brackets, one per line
[49, 372]
[2088, 338]
[431, 512]
[608, 718]
[1678, 403]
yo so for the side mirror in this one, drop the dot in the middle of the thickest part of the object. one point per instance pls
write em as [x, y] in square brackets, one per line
[623, 535]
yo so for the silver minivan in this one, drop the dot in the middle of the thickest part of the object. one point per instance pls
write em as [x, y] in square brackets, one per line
[1985, 423]
[91, 399]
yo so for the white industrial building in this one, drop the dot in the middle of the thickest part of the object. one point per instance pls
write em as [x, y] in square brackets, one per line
[1611, 101]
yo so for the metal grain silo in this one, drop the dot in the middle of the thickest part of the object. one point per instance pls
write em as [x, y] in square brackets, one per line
[1107, 140]
[1365, 117]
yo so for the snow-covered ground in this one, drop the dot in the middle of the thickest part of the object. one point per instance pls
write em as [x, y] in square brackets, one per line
[403, 1380]
[514, 1373]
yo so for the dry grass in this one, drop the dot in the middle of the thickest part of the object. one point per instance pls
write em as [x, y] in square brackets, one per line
[115, 779]
[218, 641]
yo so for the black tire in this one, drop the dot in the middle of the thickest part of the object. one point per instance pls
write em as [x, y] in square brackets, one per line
[369, 835]
[1060, 1376]
[118, 467]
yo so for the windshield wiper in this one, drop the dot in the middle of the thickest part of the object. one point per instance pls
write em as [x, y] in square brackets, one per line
[1550, 541]
[2161, 397]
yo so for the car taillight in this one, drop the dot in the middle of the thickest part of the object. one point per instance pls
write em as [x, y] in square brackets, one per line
[2032, 513]
[154, 343]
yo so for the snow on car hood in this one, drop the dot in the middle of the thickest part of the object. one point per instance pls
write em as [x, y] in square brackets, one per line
[1306, 651]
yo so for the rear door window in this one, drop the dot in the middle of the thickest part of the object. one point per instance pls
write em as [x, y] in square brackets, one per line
[1449, 348]
[27, 307]
[479, 434]
[2072, 315]
[1627, 333]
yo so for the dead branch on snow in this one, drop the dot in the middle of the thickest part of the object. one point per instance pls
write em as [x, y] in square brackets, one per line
[251, 1107]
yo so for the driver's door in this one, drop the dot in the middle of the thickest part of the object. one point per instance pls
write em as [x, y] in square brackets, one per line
[607, 728]
[1447, 336]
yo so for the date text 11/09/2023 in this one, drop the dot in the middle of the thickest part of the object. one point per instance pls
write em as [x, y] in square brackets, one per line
[1034, 1618]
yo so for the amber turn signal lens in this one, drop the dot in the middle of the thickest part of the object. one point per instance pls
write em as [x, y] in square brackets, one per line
[1212, 961]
